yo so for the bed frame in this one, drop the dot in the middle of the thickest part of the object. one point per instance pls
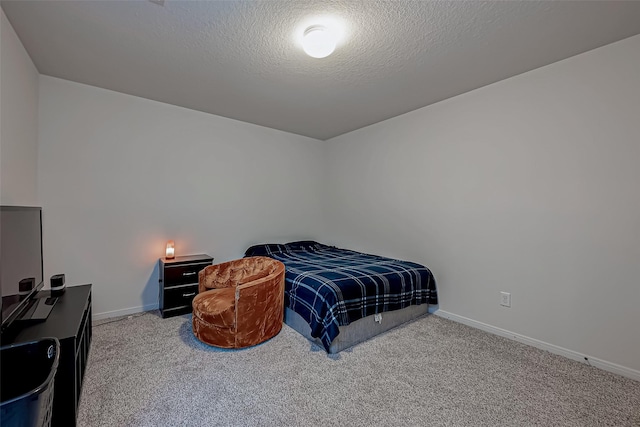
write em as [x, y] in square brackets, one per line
[358, 331]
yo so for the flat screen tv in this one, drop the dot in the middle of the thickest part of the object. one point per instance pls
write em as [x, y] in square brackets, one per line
[21, 268]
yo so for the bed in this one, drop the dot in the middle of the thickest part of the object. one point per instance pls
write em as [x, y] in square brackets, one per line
[338, 298]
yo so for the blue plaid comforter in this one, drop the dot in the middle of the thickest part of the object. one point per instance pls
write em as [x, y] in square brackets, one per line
[331, 287]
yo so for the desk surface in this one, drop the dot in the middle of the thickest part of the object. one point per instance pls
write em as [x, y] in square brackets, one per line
[65, 318]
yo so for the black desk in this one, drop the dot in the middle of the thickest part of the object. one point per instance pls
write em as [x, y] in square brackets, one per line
[70, 322]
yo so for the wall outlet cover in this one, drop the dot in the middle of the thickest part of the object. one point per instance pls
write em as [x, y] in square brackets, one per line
[505, 299]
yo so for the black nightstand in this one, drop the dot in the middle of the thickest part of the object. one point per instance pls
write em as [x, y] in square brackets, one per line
[179, 282]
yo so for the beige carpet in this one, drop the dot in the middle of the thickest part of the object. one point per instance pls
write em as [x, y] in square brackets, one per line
[148, 371]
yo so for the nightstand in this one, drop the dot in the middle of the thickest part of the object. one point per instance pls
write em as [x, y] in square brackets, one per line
[179, 282]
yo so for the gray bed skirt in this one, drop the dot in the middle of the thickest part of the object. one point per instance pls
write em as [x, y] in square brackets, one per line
[358, 331]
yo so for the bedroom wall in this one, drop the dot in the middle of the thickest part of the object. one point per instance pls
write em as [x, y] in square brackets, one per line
[18, 120]
[121, 175]
[528, 186]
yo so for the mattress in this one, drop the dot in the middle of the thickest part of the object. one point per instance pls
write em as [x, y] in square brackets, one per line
[360, 330]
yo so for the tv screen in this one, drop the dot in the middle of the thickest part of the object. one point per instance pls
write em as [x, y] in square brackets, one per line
[21, 268]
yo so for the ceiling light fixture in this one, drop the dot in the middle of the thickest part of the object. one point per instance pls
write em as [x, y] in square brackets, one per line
[318, 41]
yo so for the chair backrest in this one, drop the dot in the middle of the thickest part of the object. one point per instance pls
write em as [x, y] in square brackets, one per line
[233, 273]
[260, 304]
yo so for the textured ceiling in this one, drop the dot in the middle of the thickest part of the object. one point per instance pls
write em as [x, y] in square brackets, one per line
[240, 59]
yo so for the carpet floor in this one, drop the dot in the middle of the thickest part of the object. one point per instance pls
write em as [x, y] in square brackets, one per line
[148, 371]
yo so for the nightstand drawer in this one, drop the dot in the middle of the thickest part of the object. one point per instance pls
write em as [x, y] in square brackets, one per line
[180, 296]
[182, 274]
[179, 283]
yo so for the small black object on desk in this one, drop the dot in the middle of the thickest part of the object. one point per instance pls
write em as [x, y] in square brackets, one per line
[57, 284]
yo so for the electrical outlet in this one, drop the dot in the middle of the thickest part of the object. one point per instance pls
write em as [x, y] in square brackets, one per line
[505, 299]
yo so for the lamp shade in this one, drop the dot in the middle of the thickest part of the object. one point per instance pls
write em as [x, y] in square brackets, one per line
[170, 253]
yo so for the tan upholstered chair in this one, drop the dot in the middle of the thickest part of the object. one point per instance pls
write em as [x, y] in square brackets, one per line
[240, 303]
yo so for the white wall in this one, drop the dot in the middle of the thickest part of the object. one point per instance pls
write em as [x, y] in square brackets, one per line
[121, 175]
[529, 186]
[18, 120]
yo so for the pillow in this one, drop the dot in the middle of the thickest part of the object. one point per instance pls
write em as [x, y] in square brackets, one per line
[267, 249]
[264, 249]
[303, 245]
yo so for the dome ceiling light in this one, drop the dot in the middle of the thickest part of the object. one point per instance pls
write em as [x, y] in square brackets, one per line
[318, 41]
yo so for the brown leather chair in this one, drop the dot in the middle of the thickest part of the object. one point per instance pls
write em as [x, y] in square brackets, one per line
[240, 303]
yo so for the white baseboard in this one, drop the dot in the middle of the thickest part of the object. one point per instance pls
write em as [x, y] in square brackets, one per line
[574, 355]
[124, 311]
